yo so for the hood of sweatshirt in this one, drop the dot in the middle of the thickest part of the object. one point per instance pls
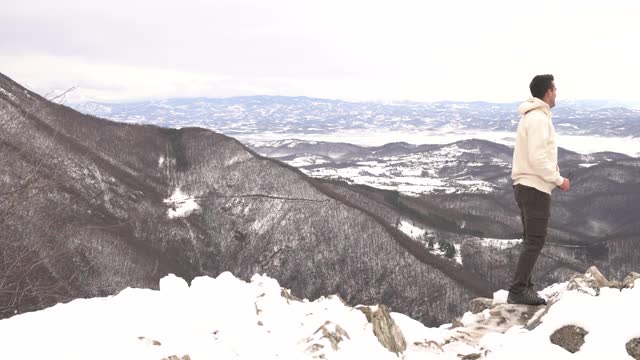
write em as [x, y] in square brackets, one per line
[533, 103]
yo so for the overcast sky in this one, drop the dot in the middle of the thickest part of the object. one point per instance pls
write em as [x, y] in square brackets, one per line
[342, 49]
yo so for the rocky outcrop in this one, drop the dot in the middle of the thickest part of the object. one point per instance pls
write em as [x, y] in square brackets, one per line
[630, 280]
[633, 348]
[569, 337]
[384, 328]
[286, 293]
[329, 332]
[480, 304]
[593, 280]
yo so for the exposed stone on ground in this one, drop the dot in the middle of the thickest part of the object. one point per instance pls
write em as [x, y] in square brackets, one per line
[596, 275]
[593, 280]
[456, 323]
[385, 329]
[473, 356]
[286, 293]
[633, 348]
[175, 357]
[569, 337]
[590, 282]
[501, 318]
[494, 316]
[149, 341]
[330, 331]
[630, 279]
[480, 304]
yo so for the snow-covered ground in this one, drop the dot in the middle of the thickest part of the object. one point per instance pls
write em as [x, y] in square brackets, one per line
[500, 243]
[227, 318]
[411, 174]
[181, 204]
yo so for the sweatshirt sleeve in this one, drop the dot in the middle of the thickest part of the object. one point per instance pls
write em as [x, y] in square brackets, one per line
[538, 141]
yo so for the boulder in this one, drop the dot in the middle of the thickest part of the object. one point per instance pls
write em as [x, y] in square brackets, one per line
[633, 348]
[569, 337]
[630, 279]
[385, 329]
[480, 304]
[589, 283]
[595, 274]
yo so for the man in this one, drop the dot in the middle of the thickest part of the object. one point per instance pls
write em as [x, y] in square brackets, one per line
[535, 174]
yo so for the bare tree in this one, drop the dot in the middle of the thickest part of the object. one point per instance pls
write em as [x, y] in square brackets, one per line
[27, 246]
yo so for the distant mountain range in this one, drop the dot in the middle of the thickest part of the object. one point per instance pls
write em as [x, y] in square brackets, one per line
[467, 166]
[278, 114]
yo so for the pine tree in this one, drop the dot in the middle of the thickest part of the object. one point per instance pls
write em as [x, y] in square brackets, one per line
[450, 251]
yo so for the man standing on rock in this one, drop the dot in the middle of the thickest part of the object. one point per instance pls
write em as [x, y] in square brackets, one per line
[535, 174]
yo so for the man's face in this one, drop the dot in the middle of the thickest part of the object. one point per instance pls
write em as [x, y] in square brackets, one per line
[550, 97]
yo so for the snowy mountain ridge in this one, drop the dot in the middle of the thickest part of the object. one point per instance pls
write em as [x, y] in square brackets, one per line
[279, 114]
[227, 318]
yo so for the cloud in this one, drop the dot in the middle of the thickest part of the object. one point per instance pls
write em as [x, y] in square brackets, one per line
[406, 49]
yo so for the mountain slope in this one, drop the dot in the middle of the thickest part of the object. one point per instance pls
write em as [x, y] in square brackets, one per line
[238, 116]
[97, 217]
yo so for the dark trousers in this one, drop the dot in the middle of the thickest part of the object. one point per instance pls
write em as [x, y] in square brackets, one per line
[535, 210]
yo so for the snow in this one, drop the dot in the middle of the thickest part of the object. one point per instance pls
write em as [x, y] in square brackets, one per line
[411, 230]
[227, 318]
[412, 174]
[611, 319]
[181, 205]
[500, 243]
[307, 161]
[10, 95]
[458, 257]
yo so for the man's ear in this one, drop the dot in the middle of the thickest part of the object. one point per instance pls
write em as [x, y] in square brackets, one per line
[548, 93]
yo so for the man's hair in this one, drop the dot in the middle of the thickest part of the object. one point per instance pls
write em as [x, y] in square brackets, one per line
[540, 84]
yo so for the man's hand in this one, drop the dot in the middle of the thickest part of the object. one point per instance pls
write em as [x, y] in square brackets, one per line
[566, 185]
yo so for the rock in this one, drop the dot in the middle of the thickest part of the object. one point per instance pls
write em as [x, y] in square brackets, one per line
[332, 332]
[633, 348]
[589, 283]
[569, 337]
[385, 329]
[286, 293]
[473, 356]
[149, 341]
[630, 279]
[595, 274]
[480, 304]
[456, 324]
[175, 357]
[616, 284]
[583, 284]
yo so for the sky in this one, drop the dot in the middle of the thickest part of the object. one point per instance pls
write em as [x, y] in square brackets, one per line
[227, 318]
[358, 50]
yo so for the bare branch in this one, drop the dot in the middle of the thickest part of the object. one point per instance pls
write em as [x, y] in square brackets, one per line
[63, 94]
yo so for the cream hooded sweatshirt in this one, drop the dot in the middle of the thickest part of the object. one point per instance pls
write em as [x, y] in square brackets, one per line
[535, 155]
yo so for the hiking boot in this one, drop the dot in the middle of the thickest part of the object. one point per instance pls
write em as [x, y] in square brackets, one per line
[527, 297]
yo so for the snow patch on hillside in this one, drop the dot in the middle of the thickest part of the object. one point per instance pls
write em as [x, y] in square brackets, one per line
[181, 205]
